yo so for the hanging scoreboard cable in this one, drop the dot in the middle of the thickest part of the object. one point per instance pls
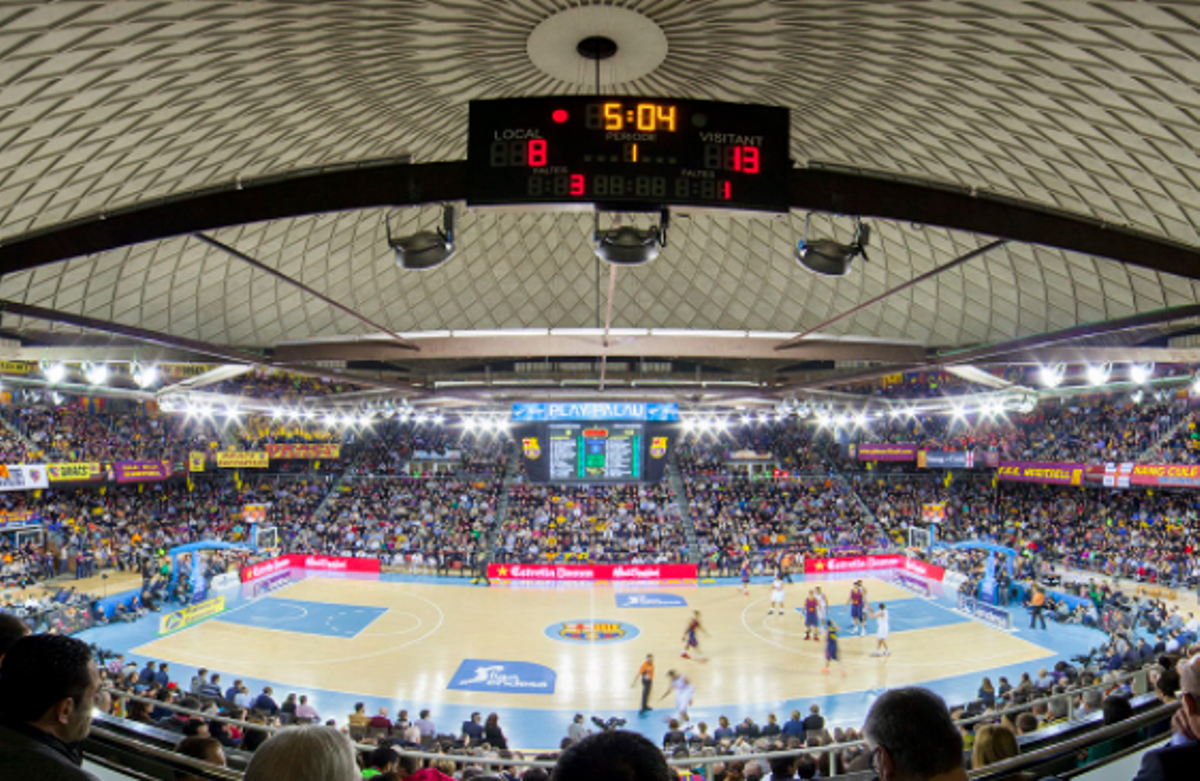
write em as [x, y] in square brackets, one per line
[627, 153]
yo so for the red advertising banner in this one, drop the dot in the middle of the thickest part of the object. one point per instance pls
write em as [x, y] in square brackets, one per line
[303, 451]
[852, 563]
[1039, 472]
[141, 471]
[589, 572]
[303, 561]
[867, 563]
[886, 452]
[1124, 475]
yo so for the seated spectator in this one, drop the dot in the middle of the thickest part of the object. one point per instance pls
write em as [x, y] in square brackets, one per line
[203, 749]
[306, 753]
[993, 743]
[613, 756]
[381, 721]
[814, 721]
[12, 629]
[266, 703]
[912, 738]
[492, 734]
[48, 685]
[306, 712]
[472, 730]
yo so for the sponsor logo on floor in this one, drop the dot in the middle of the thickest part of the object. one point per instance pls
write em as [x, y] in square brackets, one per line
[487, 675]
[650, 600]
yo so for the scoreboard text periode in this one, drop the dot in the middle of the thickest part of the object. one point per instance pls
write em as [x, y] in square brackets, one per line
[630, 152]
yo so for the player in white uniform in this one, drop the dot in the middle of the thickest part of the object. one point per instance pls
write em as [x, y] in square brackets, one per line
[776, 596]
[881, 631]
[685, 692]
[822, 606]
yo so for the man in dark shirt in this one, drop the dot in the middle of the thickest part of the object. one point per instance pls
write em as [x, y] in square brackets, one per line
[473, 729]
[146, 676]
[814, 721]
[47, 693]
[747, 729]
[771, 728]
[162, 678]
[266, 703]
[232, 691]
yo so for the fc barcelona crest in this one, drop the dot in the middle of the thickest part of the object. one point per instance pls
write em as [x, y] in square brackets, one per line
[658, 447]
[533, 450]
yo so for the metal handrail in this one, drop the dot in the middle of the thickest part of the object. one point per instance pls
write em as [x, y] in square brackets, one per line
[169, 757]
[1068, 694]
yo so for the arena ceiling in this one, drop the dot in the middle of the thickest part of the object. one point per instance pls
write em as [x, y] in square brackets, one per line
[1088, 108]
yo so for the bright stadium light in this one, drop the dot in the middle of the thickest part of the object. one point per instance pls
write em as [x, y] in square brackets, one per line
[689, 424]
[54, 372]
[1098, 374]
[438, 419]
[468, 423]
[1052, 376]
[330, 420]
[1140, 373]
[144, 375]
[95, 373]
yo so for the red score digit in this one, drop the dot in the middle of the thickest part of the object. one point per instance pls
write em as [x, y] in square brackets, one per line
[537, 151]
[750, 160]
[577, 183]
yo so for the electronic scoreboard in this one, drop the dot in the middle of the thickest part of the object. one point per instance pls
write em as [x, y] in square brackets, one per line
[628, 153]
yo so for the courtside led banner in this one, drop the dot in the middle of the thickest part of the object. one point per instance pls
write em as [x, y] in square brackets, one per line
[241, 459]
[13, 519]
[317, 563]
[1039, 472]
[866, 563]
[310, 452]
[588, 572]
[886, 452]
[181, 619]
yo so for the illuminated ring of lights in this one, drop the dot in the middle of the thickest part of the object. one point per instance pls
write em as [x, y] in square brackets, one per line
[641, 45]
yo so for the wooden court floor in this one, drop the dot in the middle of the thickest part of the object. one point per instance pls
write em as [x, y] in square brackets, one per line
[414, 647]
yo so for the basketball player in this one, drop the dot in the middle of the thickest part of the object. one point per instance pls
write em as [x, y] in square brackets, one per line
[691, 643]
[831, 648]
[858, 607]
[822, 607]
[684, 693]
[881, 631]
[776, 596]
[746, 576]
[811, 627]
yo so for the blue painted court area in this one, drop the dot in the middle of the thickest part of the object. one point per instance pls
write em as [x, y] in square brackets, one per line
[906, 615]
[309, 618]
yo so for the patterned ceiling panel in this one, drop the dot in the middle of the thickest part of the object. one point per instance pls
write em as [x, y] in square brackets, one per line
[1092, 107]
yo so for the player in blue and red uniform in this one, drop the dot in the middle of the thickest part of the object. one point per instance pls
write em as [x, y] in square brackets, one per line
[746, 577]
[831, 648]
[812, 625]
[691, 643]
[858, 607]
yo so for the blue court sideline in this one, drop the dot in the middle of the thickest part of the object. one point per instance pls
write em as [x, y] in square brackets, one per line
[310, 618]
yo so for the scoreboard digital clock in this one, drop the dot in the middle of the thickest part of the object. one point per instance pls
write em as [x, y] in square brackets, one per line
[628, 153]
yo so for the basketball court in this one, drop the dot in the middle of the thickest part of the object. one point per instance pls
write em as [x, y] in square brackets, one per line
[537, 654]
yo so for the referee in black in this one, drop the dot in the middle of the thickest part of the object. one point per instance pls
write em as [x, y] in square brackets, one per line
[646, 674]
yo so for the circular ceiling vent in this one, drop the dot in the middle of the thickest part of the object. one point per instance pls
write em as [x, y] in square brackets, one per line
[554, 45]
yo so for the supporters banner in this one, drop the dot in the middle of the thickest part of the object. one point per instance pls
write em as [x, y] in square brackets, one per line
[946, 459]
[254, 513]
[590, 572]
[312, 452]
[241, 459]
[196, 461]
[63, 473]
[23, 477]
[181, 619]
[748, 455]
[318, 563]
[1038, 472]
[141, 471]
[1151, 475]
[884, 452]
[10, 519]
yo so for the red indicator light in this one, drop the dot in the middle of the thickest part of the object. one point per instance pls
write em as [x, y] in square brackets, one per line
[560, 115]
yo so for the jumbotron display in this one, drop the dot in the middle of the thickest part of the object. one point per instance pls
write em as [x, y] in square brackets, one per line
[626, 152]
[610, 452]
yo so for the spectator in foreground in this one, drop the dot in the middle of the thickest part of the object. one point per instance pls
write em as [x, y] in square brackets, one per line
[912, 738]
[1179, 759]
[12, 629]
[993, 743]
[47, 687]
[307, 753]
[612, 756]
[203, 749]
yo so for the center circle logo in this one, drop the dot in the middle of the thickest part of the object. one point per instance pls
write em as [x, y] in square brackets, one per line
[592, 630]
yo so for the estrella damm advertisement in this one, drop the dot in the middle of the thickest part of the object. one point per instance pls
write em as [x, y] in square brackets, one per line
[243, 459]
[60, 473]
[590, 631]
[180, 619]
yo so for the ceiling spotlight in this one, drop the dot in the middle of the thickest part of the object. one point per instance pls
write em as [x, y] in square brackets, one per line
[54, 372]
[1140, 373]
[95, 373]
[438, 419]
[468, 423]
[630, 246]
[1137, 396]
[1052, 376]
[826, 256]
[1098, 374]
[425, 249]
[144, 375]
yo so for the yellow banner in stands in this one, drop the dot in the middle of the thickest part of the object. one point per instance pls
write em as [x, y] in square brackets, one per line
[181, 619]
[82, 471]
[16, 367]
[196, 461]
[240, 459]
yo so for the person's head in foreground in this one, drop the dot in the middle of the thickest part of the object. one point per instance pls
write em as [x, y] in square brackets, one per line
[308, 753]
[612, 756]
[49, 682]
[912, 738]
[993, 743]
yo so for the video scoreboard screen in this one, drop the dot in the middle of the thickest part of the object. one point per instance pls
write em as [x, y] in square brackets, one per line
[596, 452]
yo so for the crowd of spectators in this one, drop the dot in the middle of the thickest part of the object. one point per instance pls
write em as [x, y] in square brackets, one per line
[637, 524]
[274, 385]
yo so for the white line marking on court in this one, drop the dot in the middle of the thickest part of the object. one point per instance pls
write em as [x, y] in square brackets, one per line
[841, 646]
